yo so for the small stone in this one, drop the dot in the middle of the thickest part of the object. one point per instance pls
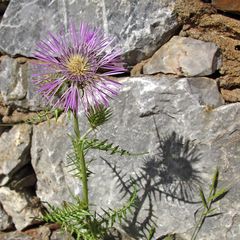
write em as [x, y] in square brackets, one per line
[22, 213]
[185, 57]
[60, 235]
[42, 232]
[227, 5]
[16, 86]
[5, 220]
[15, 236]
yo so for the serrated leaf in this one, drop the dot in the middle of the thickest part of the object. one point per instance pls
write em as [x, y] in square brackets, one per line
[103, 145]
[98, 115]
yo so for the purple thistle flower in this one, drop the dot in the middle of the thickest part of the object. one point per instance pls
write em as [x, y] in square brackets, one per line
[75, 68]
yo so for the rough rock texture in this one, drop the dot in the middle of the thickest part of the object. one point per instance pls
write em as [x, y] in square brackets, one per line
[231, 95]
[185, 57]
[16, 87]
[5, 220]
[41, 233]
[188, 131]
[15, 236]
[18, 206]
[49, 147]
[227, 5]
[201, 21]
[140, 27]
[14, 148]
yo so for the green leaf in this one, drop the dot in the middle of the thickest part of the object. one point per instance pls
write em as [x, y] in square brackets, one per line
[98, 115]
[151, 233]
[203, 198]
[104, 145]
[219, 195]
[169, 237]
[215, 181]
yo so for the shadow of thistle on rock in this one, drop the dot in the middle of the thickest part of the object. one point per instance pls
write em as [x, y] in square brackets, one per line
[170, 173]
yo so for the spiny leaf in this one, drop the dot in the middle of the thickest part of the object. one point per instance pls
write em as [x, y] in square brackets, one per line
[98, 115]
[112, 215]
[103, 145]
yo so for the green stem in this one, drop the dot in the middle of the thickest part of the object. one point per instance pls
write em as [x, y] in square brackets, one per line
[81, 157]
[76, 125]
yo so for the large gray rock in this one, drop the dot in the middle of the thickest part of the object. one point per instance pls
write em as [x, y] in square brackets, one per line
[188, 131]
[139, 26]
[17, 205]
[49, 162]
[16, 87]
[15, 149]
[185, 57]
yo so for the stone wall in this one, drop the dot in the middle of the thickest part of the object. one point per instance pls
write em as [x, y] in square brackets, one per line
[183, 60]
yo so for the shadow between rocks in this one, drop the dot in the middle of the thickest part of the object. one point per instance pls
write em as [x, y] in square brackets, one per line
[171, 173]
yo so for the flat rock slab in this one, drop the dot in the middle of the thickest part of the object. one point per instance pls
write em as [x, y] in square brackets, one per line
[187, 130]
[185, 57]
[139, 27]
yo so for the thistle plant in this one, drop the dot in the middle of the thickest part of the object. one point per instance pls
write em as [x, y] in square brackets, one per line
[72, 72]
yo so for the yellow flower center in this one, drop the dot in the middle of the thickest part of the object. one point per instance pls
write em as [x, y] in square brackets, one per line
[77, 65]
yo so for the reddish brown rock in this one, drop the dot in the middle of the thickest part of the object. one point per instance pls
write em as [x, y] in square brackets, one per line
[227, 5]
[201, 21]
[231, 95]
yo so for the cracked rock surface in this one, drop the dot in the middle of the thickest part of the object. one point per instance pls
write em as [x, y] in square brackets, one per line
[184, 125]
[140, 28]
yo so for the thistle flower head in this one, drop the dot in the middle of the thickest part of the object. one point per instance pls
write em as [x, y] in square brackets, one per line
[74, 68]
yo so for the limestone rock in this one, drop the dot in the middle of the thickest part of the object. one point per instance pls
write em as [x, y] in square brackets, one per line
[22, 213]
[227, 5]
[60, 235]
[15, 236]
[139, 27]
[187, 130]
[185, 57]
[16, 87]
[15, 149]
[5, 220]
[49, 147]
